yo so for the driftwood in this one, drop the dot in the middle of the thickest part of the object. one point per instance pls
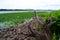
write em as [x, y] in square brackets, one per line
[27, 30]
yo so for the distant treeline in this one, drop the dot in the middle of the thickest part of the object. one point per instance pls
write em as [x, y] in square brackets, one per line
[23, 10]
[16, 9]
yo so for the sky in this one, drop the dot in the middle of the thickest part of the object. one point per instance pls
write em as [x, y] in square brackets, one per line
[30, 4]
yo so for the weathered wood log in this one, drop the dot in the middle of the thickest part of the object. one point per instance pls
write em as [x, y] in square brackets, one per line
[27, 30]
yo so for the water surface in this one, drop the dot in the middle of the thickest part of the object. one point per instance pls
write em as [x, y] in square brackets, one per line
[3, 12]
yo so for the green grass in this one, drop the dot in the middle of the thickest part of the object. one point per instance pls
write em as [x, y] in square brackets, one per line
[19, 16]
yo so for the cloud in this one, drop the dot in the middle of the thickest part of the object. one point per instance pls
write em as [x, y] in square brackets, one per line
[30, 4]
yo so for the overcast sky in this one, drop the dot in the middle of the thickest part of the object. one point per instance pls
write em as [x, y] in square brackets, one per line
[30, 4]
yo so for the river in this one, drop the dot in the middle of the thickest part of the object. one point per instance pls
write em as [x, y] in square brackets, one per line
[3, 12]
